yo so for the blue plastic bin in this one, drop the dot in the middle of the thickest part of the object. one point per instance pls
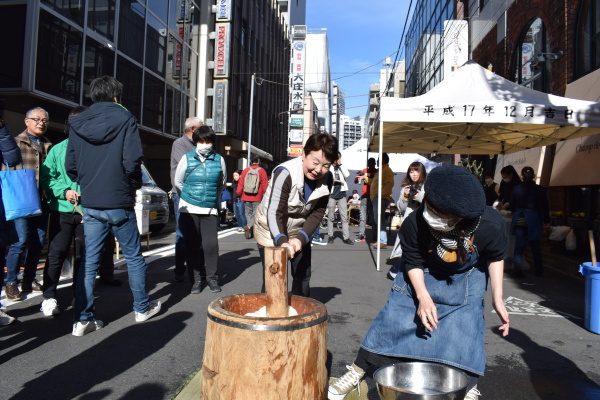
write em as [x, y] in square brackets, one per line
[591, 320]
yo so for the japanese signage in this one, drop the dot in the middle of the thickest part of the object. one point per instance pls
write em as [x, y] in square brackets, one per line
[456, 49]
[222, 39]
[295, 150]
[220, 106]
[181, 57]
[296, 135]
[299, 32]
[516, 111]
[185, 11]
[223, 10]
[297, 122]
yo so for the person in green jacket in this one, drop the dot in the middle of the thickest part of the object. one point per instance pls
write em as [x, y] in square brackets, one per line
[66, 220]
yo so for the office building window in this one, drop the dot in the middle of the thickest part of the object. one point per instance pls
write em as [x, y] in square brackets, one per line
[154, 102]
[587, 42]
[172, 118]
[58, 58]
[131, 76]
[101, 17]
[73, 10]
[13, 26]
[156, 43]
[131, 29]
[99, 60]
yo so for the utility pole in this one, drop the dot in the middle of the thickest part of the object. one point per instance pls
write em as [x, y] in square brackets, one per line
[251, 112]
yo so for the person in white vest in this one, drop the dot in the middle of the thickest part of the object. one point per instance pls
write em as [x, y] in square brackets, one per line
[294, 204]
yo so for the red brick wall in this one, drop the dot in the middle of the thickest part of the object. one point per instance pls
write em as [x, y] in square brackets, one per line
[559, 18]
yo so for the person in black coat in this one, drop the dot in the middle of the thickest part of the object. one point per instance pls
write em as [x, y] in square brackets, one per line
[11, 155]
[529, 204]
[510, 179]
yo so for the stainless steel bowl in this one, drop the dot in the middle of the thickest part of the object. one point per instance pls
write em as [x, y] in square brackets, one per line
[420, 381]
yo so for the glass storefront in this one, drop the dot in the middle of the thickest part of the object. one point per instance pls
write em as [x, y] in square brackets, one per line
[151, 45]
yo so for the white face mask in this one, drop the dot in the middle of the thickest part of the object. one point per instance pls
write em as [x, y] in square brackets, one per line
[506, 180]
[435, 222]
[204, 149]
[489, 181]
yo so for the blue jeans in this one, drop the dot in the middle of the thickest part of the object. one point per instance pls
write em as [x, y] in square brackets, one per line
[31, 232]
[122, 224]
[240, 213]
[179, 240]
[384, 205]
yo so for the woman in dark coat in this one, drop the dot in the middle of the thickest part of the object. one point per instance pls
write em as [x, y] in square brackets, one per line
[510, 179]
[529, 204]
[11, 155]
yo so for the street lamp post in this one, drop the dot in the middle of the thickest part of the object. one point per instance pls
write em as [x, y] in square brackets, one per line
[251, 112]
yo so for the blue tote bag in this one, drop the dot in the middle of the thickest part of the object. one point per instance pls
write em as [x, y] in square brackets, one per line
[20, 193]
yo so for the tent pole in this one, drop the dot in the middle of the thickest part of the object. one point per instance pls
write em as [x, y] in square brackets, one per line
[379, 180]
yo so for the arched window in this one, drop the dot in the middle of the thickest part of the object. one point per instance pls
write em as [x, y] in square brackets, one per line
[531, 69]
[587, 39]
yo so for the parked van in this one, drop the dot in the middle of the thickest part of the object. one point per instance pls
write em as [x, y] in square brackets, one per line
[154, 200]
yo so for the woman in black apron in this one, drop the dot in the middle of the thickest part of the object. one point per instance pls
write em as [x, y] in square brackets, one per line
[451, 245]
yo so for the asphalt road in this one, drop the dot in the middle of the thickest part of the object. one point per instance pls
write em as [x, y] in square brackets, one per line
[548, 354]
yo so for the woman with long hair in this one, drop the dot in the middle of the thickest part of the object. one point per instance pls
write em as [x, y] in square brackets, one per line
[529, 205]
[410, 199]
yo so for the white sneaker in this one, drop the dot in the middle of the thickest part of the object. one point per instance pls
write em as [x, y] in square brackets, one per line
[473, 394]
[5, 319]
[50, 307]
[81, 328]
[350, 381]
[153, 309]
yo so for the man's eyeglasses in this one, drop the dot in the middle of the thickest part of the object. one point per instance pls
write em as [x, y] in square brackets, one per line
[39, 121]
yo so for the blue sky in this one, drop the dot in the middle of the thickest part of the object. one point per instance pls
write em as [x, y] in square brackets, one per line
[360, 33]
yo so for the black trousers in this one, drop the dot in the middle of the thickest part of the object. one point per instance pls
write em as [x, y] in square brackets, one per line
[301, 270]
[202, 246]
[63, 227]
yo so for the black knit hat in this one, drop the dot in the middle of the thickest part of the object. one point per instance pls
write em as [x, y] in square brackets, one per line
[455, 190]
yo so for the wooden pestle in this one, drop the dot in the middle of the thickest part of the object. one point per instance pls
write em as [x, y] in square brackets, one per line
[276, 281]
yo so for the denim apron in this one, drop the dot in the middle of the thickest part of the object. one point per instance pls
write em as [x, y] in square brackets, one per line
[459, 298]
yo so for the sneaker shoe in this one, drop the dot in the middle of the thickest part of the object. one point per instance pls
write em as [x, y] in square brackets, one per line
[240, 230]
[5, 319]
[81, 328]
[213, 285]
[196, 287]
[153, 309]
[348, 241]
[33, 286]
[319, 241]
[247, 232]
[330, 240]
[339, 388]
[380, 245]
[359, 239]
[179, 278]
[391, 275]
[473, 394]
[50, 307]
[12, 292]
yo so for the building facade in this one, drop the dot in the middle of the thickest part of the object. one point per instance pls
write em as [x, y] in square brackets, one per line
[160, 50]
[351, 131]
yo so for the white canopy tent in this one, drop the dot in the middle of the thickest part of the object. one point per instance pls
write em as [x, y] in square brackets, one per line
[355, 158]
[474, 111]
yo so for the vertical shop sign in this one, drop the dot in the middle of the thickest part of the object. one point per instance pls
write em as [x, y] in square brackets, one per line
[222, 39]
[220, 106]
[223, 10]
[297, 86]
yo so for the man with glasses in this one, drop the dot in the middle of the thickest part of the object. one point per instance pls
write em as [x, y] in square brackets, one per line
[31, 231]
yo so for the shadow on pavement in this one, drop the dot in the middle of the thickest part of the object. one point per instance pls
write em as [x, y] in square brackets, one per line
[234, 263]
[106, 360]
[324, 294]
[551, 375]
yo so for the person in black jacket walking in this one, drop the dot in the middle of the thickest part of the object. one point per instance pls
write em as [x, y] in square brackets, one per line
[104, 156]
[531, 215]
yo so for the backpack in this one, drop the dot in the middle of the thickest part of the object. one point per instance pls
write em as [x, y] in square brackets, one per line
[252, 181]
